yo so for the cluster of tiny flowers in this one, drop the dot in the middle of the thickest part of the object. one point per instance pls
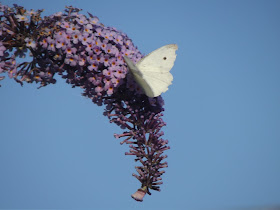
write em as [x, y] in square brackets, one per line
[88, 55]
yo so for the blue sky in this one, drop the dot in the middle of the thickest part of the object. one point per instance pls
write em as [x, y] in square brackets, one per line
[57, 150]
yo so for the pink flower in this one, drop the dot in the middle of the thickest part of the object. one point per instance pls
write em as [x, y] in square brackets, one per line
[139, 195]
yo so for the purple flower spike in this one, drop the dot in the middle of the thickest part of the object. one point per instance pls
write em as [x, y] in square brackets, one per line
[89, 55]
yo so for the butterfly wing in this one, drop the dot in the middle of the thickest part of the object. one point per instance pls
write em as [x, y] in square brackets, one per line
[138, 76]
[154, 69]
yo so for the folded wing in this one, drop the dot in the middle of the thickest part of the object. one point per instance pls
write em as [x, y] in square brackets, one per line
[152, 71]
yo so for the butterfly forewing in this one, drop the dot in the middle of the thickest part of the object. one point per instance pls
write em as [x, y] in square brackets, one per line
[160, 60]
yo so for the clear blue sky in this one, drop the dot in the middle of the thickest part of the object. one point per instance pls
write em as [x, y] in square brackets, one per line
[57, 150]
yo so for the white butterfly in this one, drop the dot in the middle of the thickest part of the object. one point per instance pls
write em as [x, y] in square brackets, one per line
[152, 71]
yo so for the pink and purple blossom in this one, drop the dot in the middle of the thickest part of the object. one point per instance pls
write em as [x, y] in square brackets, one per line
[89, 55]
[21, 18]
[30, 43]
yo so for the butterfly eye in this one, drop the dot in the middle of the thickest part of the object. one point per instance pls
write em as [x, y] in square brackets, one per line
[164, 58]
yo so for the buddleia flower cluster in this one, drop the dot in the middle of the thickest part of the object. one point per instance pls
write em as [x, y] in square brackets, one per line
[88, 55]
